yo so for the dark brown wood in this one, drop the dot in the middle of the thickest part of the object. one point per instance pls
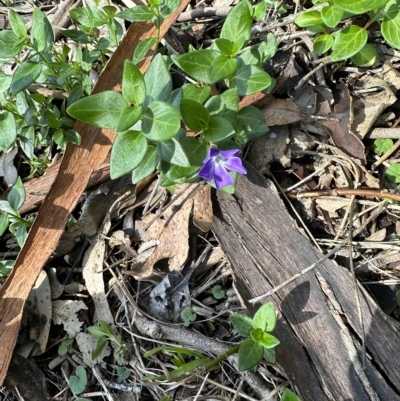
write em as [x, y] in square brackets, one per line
[318, 322]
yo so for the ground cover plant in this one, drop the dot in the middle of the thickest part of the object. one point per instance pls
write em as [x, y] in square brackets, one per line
[200, 130]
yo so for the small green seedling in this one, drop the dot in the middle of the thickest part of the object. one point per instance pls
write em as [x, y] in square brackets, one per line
[77, 382]
[218, 292]
[63, 347]
[393, 173]
[188, 316]
[382, 145]
[351, 41]
[289, 395]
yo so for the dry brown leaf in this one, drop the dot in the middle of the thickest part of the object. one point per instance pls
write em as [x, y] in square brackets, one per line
[202, 208]
[65, 313]
[279, 111]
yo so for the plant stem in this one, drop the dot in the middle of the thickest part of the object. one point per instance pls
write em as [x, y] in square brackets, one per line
[222, 357]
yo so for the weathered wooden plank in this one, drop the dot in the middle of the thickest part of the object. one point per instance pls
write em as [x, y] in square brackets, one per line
[320, 344]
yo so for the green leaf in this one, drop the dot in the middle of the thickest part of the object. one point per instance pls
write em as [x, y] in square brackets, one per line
[3, 228]
[390, 29]
[90, 17]
[269, 49]
[158, 81]
[161, 121]
[172, 152]
[102, 109]
[194, 92]
[8, 130]
[123, 373]
[227, 47]
[250, 115]
[182, 370]
[332, 15]
[106, 328]
[96, 331]
[6, 267]
[348, 42]
[238, 23]
[260, 10]
[142, 49]
[72, 136]
[269, 355]
[20, 235]
[289, 395]
[127, 152]
[256, 334]
[243, 324]
[225, 105]
[63, 347]
[76, 35]
[78, 382]
[218, 129]
[137, 13]
[218, 292]
[10, 44]
[382, 145]
[188, 316]
[146, 166]
[133, 85]
[360, 6]
[366, 57]
[195, 150]
[16, 197]
[322, 44]
[5, 207]
[42, 36]
[197, 64]
[250, 79]
[194, 114]
[129, 117]
[172, 174]
[223, 67]
[172, 348]
[268, 340]
[250, 354]
[393, 173]
[17, 23]
[100, 346]
[265, 317]
[309, 18]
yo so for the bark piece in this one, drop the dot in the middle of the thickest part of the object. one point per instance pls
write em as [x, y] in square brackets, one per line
[318, 323]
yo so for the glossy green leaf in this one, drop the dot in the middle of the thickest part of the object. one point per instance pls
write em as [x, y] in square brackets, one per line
[77, 383]
[133, 85]
[172, 174]
[137, 13]
[249, 57]
[102, 109]
[197, 64]
[42, 35]
[332, 15]
[256, 334]
[348, 42]
[129, 117]
[250, 79]
[25, 75]
[3, 228]
[223, 67]
[322, 44]
[5, 207]
[142, 49]
[360, 6]
[10, 44]
[238, 23]
[250, 115]
[225, 105]
[243, 324]
[265, 317]
[390, 29]
[268, 340]
[100, 346]
[161, 121]
[198, 93]
[72, 136]
[269, 355]
[89, 16]
[289, 395]
[158, 81]
[195, 150]
[194, 114]
[106, 328]
[146, 166]
[393, 173]
[268, 49]
[127, 153]
[309, 18]
[96, 331]
[260, 10]
[366, 57]
[382, 145]
[227, 47]
[16, 197]
[8, 130]
[17, 23]
[172, 152]
[250, 354]
[218, 129]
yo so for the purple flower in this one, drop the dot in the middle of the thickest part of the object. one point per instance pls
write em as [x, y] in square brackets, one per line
[217, 164]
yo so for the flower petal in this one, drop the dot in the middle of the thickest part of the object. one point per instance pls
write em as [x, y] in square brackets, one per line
[235, 164]
[229, 153]
[221, 177]
[207, 171]
[213, 152]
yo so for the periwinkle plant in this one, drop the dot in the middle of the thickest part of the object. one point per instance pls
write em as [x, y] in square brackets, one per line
[187, 133]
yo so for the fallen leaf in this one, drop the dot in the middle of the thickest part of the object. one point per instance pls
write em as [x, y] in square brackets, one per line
[279, 111]
[65, 313]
